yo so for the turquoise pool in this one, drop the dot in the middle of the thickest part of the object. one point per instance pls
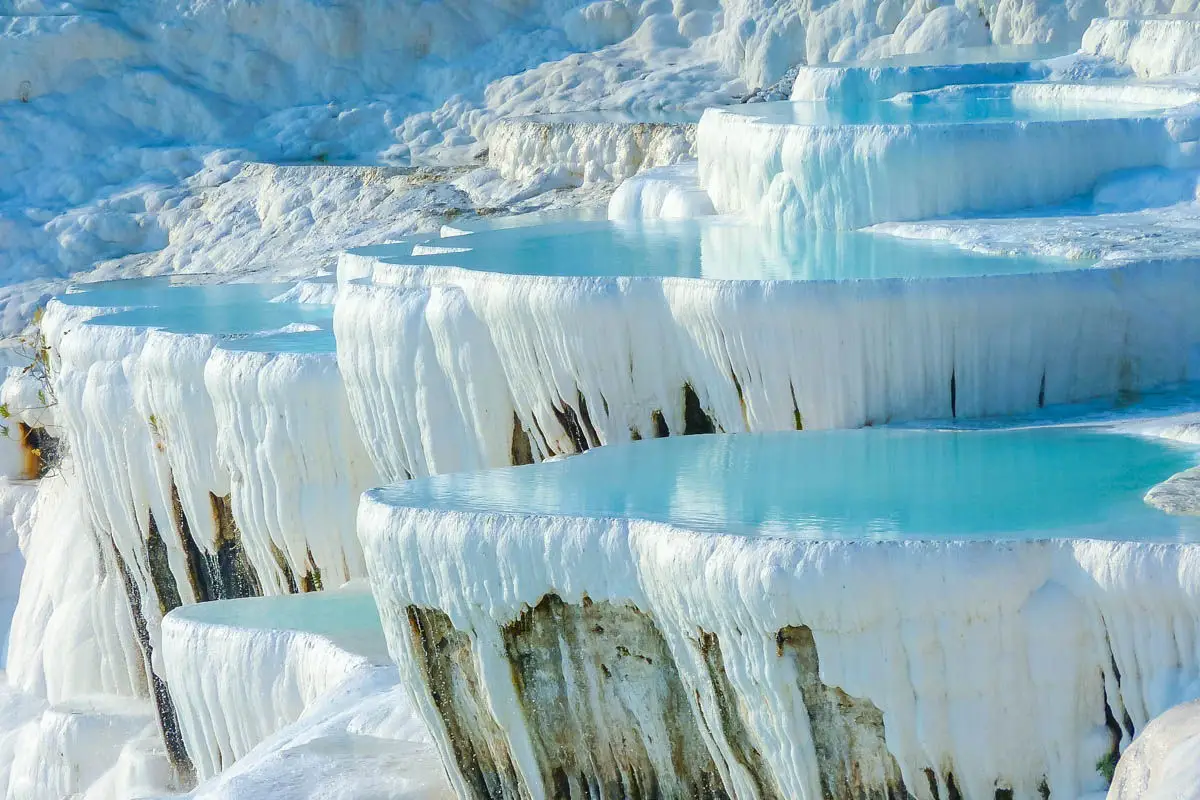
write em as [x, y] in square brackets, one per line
[716, 248]
[858, 484]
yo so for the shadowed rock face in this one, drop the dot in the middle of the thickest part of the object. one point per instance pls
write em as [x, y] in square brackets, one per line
[452, 681]
[607, 711]
[39, 450]
[227, 573]
[848, 734]
[608, 715]
[730, 719]
[168, 719]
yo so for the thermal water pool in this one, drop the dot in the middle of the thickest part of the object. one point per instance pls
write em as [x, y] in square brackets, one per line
[860, 484]
[715, 248]
[842, 605]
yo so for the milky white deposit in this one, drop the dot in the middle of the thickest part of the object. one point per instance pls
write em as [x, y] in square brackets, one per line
[803, 173]
[226, 139]
[1152, 47]
[997, 664]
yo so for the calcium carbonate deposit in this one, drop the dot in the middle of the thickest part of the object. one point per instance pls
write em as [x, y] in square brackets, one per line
[608, 399]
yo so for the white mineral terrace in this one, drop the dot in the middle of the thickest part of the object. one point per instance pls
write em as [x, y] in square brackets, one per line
[428, 525]
[1154, 46]
[929, 154]
[967, 598]
[221, 436]
[240, 670]
[938, 333]
[880, 79]
[590, 146]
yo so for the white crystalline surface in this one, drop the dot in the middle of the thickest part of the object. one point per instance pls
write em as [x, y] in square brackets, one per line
[945, 152]
[301, 691]
[1152, 46]
[1003, 656]
[1029, 483]
[140, 121]
[1161, 764]
[220, 139]
[879, 79]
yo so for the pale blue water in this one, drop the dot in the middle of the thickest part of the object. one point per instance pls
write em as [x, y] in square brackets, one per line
[941, 109]
[321, 341]
[163, 290]
[718, 249]
[618, 117]
[219, 319]
[349, 618]
[861, 484]
[1145, 406]
[993, 54]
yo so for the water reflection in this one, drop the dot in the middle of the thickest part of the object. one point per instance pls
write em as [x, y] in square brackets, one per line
[849, 484]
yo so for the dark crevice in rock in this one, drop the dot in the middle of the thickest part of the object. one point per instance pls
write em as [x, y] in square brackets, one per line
[953, 394]
[952, 787]
[1042, 391]
[447, 663]
[285, 568]
[797, 418]
[597, 685]
[931, 779]
[521, 449]
[1108, 763]
[1004, 793]
[226, 574]
[659, 422]
[168, 720]
[848, 734]
[197, 562]
[311, 582]
[731, 722]
[1112, 660]
[695, 420]
[737, 385]
[570, 424]
[237, 576]
[165, 588]
[39, 450]
[586, 418]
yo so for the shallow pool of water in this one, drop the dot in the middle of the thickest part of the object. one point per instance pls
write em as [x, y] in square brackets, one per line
[159, 291]
[220, 319]
[348, 617]
[860, 484]
[993, 54]
[944, 109]
[719, 248]
[319, 341]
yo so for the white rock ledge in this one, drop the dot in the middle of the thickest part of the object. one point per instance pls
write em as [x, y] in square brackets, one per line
[557, 655]
[1153, 47]
[582, 362]
[240, 670]
[879, 79]
[589, 147]
[799, 174]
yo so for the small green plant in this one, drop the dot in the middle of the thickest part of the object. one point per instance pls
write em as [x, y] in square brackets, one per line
[1107, 765]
